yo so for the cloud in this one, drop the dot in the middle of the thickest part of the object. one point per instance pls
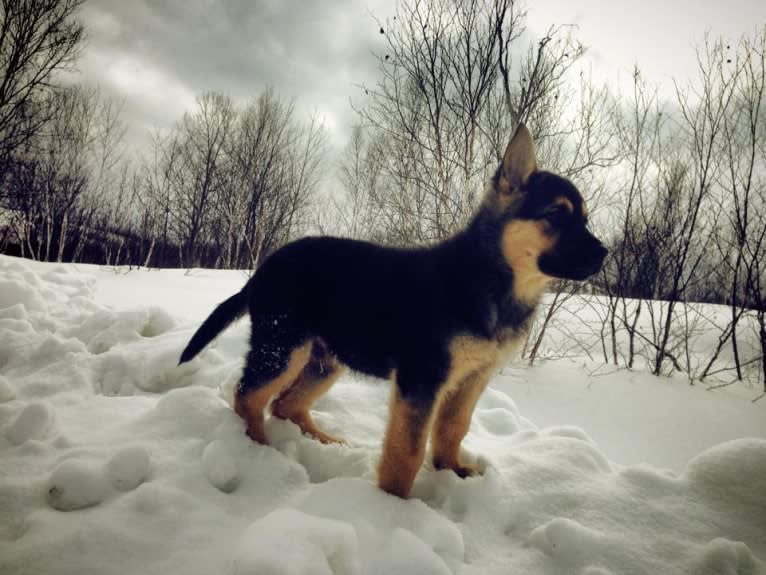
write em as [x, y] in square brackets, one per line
[159, 56]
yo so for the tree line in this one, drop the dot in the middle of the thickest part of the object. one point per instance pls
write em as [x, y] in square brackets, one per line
[225, 186]
[675, 186]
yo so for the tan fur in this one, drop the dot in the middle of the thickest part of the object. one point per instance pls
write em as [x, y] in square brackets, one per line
[500, 202]
[250, 406]
[404, 446]
[522, 243]
[472, 362]
[295, 401]
[453, 418]
[471, 354]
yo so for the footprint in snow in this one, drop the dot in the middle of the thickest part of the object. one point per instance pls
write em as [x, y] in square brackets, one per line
[158, 322]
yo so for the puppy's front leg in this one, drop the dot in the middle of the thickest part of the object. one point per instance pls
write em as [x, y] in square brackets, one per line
[453, 418]
[405, 444]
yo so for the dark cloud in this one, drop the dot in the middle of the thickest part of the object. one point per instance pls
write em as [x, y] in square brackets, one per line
[159, 55]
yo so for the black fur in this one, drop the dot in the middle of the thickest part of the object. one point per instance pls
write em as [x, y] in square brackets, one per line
[377, 309]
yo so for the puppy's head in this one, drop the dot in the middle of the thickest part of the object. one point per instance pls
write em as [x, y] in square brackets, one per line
[544, 232]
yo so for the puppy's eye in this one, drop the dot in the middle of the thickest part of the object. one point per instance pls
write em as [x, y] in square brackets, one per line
[557, 216]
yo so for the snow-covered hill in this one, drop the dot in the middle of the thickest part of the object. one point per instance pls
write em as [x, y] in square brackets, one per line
[115, 460]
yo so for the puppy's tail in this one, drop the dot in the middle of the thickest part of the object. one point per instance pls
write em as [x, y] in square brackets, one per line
[222, 316]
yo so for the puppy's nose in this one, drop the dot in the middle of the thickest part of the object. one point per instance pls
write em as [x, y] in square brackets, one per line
[601, 251]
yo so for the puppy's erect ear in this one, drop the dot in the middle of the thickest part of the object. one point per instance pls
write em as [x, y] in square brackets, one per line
[519, 160]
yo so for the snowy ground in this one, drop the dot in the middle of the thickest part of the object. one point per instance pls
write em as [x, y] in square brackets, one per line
[114, 460]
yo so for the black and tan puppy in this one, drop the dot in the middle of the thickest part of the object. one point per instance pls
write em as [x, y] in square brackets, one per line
[437, 321]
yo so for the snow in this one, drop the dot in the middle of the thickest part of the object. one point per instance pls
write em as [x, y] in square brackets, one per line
[633, 416]
[220, 467]
[113, 459]
[128, 468]
[32, 422]
[76, 484]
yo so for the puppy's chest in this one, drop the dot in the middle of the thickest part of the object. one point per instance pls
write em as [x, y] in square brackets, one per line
[470, 354]
[506, 330]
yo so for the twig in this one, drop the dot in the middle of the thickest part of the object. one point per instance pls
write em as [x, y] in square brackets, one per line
[720, 385]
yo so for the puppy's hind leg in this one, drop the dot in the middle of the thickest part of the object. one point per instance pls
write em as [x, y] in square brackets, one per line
[271, 366]
[295, 401]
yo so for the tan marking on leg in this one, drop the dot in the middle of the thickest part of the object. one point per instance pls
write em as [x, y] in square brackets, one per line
[404, 446]
[295, 401]
[472, 362]
[250, 405]
[453, 418]
[522, 243]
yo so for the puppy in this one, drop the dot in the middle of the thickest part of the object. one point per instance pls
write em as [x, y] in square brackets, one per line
[438, 321]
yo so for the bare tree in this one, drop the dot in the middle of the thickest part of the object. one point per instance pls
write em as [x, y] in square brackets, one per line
[58, 182]
[448, 74]
[639, 127]
[740, 240]
[229, 185]
[667, 227]
[153, 189]
[703, 110]
[37, 39]
[198, 175]
[274, 165]
[354, 207]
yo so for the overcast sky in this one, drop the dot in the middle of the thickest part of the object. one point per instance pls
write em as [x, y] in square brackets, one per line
[158, 55]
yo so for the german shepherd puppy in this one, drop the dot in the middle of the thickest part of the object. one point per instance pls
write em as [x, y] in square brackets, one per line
[437, 320]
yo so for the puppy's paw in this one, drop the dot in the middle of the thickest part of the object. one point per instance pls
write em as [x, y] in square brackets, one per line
[461, 469]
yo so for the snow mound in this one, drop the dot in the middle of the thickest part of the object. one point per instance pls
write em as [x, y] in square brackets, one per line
[378, 517]
[34, 422]
[568, 542]
[406, 553]
[76, 485]
[105, 329]
[724, 557]
[288, 542]
[220, 467]
[128, 468]
[734, 471]
[14, 292]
